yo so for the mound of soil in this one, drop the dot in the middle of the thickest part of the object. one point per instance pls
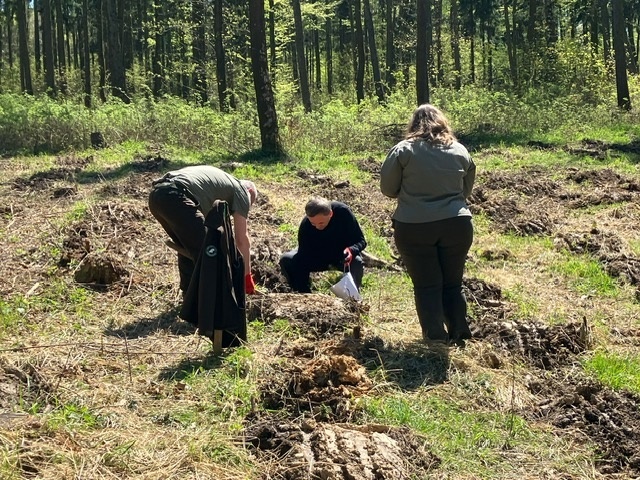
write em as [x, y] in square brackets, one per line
[337, 451]
[324, 386]
[314, 313]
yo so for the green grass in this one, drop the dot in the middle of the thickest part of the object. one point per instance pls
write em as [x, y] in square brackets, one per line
[453, 432]
[586, 276]
[618, 372]
[74, 417]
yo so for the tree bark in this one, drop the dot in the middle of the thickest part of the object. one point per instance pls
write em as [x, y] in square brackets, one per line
[622, 85]
[115, 60]
[422, 52]
[303, 78]
[36, 36]
[390, 59]
[606, 31]
[265, 101]
[23, 48]
[47, 47]
[329, 54]
[454, 21]
[86, 70]
[360, 58]
[373, 52]
[199, 53]
[513, 67]
[62, 65]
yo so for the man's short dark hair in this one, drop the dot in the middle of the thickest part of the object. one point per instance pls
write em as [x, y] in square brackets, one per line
[317, 206]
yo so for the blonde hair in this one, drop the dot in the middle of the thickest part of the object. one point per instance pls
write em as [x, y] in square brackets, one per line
[431, 125]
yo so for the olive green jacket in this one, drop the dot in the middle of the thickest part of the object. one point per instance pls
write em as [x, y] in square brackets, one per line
[431, 182]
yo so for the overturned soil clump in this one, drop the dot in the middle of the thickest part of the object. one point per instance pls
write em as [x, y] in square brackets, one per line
[331, 451]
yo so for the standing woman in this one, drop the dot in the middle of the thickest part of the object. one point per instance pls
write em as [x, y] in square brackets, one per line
[431, 176]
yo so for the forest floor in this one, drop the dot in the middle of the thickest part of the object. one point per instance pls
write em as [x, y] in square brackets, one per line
[99, 378]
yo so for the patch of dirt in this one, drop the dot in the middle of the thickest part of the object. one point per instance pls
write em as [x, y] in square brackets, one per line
[150, 163]
[608, 248]
[340, 451]
[511, 214]
[486, 299]
[610, 419]
[324, 386]
[313, 313]
[100, 269]
[21, 385]
[541, 345]
[112, 227]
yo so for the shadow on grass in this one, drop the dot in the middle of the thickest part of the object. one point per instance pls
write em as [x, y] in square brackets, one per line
[409, 367]
[188, 366]
[165, 322]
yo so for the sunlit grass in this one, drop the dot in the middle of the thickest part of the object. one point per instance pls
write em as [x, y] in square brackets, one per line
[453, 431]
[586, 276]
[618, 372]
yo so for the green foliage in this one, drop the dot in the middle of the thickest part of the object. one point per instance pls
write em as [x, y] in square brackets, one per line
[74, 417]
[621, 372]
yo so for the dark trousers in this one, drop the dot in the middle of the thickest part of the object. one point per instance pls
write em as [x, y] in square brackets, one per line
[297, 271]
[183, 221]
[434, 254]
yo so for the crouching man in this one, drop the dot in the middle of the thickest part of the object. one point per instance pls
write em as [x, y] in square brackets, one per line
[328, 236]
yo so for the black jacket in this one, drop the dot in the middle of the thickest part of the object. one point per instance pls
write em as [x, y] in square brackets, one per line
[215, 299]
[318, 248]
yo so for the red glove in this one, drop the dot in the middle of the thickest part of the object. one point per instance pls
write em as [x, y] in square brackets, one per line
[348, 256]
[249, 284]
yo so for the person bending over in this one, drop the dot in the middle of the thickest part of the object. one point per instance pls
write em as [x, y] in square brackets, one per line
[180, 201]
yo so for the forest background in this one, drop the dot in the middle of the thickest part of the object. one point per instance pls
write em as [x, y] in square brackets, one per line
[261, 62]
[100, 379]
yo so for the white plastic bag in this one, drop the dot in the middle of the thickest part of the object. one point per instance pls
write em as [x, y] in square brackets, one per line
[346, 288]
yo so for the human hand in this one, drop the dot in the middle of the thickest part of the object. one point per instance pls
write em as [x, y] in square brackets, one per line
[249, 284]
[348, 256]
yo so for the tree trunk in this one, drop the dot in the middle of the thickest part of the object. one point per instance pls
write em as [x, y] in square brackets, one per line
[606, 32]
[454, 21]
[23, 48]
[86, 70]
[36, 36]
[329, 53]
[391, 65]
[622, 85]
[62, 65]
[422, 52]
[373, 52]
[8, 14]
[631, 49]
[272, 36]
[303, 78]
[221, 57]
[198, 46]
[318, 58]
[513, 67]
[47, 47]
[102, 66]
[265, 101]
[115, 58]
[359, 39]
[157, 60]
[437, 10]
